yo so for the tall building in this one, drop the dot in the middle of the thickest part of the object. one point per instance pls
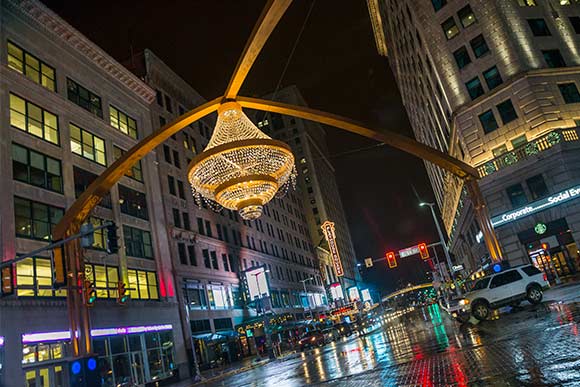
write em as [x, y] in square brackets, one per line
[68, 110]
[211, 249]
[495, 83]
[317, 186]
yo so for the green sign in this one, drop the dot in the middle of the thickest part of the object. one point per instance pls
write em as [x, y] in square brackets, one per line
[540, 228]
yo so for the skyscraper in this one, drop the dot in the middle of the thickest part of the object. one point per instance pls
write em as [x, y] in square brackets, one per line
[495, 84]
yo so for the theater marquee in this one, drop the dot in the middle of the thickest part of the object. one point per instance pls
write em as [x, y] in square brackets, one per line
[328, 230]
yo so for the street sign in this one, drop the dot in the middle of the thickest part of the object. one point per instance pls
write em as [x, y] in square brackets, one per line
[409, 251]
[368, 262]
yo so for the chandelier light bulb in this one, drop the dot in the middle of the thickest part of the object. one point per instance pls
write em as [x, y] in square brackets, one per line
[241, 168]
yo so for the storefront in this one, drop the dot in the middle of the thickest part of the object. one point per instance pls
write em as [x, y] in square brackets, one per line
[252, 335]
[127, 356]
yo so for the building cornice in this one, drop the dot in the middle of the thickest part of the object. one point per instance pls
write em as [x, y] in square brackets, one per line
[56, 26]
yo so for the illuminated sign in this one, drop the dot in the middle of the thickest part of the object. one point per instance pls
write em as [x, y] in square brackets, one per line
[538, 205]
[353, 294]
[328, 230]
[540, 228]
[409, 251]
[347, 309]
[336, 291]
[366, 295]
[65, 335]
[257, 282]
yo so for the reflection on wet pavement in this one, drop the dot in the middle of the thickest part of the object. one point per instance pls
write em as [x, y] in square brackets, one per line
[530, 346]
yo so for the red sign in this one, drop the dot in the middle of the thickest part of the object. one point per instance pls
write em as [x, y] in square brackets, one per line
[328, 230]
[347, 309]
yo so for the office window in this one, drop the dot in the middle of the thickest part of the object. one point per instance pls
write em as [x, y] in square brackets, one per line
[479, 46]
[474, 88]
[223, 324]
[200, 228]
[438, 4]
[569, 92]
[168, 104]
[133, 202]
[519, 141]
[218, 297]
[84, 98]
[225, 262]
[206, 260]
[35, 220]
[462, 57]
[31, 67]
[537, 187]
[180, 189]
[506, 111]
[121, 121]
[143, 285]
[159, 97]
[34, 278]
[35, 168]
[176, 159]
[171, 184]
[186, 222]
[138, 242]
[181, 253]
[466, 16]
[214, 260]
[208, 228]
[219, 231]
[492, 77]
[87, 145]
[488, 122]
[33, 119]
[553, 58]
[575, 21]
[192, 256]
[517, 195]
[176, 218]
[450, 28]
[99, 236]
[82, 180]
[136, 171]
[539, 27]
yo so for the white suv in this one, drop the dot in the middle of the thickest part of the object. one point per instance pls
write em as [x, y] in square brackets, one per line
[508, 287]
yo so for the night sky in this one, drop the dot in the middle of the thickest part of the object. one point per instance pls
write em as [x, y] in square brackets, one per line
[336, 67]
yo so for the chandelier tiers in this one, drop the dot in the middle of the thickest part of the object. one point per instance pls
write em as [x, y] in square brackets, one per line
[241, 168]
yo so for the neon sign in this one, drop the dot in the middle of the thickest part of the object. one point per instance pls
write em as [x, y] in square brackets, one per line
[328, 230]
[538, 205]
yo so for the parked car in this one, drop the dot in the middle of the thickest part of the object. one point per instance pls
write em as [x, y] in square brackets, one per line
[344, 329]
[311, 339]
[509, 287]
[330, 334]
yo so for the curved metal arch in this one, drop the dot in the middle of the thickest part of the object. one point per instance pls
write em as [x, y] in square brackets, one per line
[76, 214]
[395, 140]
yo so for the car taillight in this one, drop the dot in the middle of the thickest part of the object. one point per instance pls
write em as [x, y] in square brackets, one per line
[545, 277]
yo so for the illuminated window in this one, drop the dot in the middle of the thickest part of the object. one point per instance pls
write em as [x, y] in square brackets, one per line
[31, 118]
[84, 98]
[34, 278]
[492, 78]
[122, 122]
[30, 66]
[553, 58]
[35, 220]
[36, 168]
[569, 92]
[506, 111]
[438, 4]
[479, 46]
[474, 88]
[462, 57]
[218, 297]
[133, 202]
[99, 236]
[488, 122]
[36, 353]
[517, 195]
[138, 242]
[136, 171]
[143, 285]
[195, 295]
[466, 16]
[539, 27]
[450, 28]
[87, 145]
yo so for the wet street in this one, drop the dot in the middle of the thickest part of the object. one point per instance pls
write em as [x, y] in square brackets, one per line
[530, 346]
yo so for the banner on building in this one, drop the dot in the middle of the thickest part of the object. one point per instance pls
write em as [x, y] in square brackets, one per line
[328, 230]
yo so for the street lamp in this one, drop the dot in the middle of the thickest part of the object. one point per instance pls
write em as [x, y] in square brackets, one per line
[307, 299]
[266, 321]
[442, 241]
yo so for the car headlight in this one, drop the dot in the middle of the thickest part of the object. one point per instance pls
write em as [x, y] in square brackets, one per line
[463, 302]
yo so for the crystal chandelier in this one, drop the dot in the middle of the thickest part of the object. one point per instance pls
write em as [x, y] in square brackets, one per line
[241, 168]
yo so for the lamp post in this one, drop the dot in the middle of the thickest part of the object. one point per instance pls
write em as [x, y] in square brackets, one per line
[307, 299]
[266, 321]
[442, 240]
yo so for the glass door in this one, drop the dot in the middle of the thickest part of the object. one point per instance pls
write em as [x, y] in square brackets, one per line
[137, 368]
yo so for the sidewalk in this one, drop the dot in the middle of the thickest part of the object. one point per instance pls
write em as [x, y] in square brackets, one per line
[215, 374]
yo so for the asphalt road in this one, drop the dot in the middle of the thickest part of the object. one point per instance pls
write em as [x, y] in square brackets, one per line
[528, 346]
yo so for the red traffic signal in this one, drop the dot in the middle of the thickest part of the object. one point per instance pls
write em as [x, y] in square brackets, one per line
[391, 260]
[423, 251]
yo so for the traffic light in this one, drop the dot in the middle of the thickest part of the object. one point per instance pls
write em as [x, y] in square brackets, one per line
[368, 262]
[89, 293]
[391, 260]
[423, 251]
[59, 267]
[7, 283]
[122, 294]
[112, 243]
